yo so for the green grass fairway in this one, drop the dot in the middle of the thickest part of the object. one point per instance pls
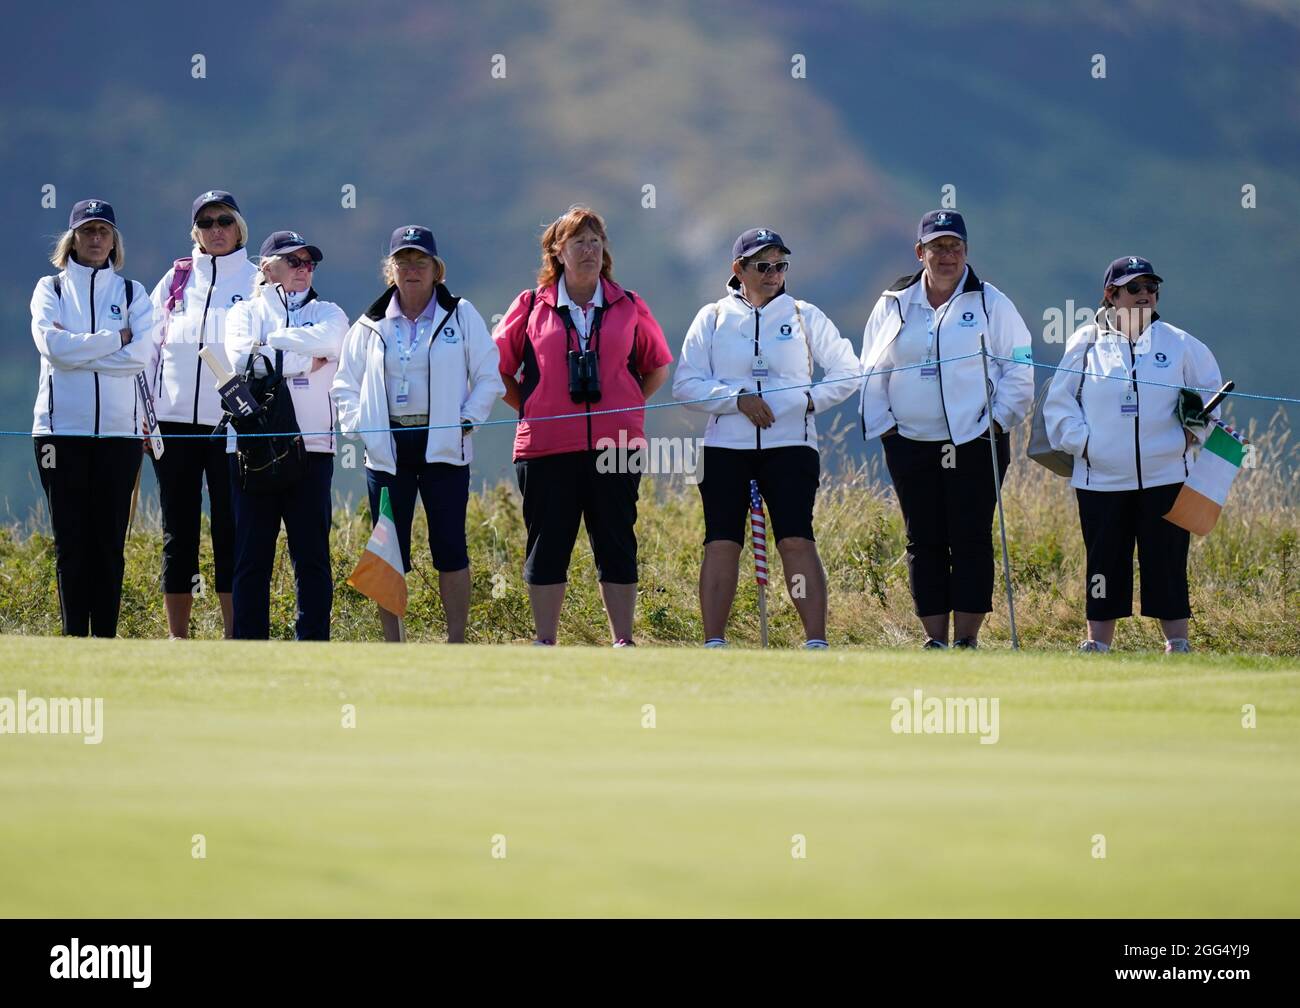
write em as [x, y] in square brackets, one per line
[244, 744]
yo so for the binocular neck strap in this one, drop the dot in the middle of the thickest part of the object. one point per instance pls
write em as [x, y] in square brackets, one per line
[570, 330]
[563, 311]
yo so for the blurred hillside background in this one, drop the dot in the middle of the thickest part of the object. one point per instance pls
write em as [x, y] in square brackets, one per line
[1056, 170]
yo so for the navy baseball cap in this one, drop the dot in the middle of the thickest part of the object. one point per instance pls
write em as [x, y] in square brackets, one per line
[89, 210]
[938, 223]
[214, 196]
[284, 242]
[755, 240]
[1127, 268]
[413, 237]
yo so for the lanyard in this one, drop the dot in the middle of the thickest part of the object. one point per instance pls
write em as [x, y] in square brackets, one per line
[934, 319]
[404, 355]
[571, 330]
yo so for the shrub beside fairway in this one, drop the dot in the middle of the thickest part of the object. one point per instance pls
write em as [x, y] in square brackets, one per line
[1245, 576]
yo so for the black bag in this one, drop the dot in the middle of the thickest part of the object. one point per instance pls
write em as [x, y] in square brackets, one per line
[1040, 448]
[269, 464]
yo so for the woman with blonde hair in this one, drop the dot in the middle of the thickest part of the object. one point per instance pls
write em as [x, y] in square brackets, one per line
[418, 373]
[579, 344]
[93, 329]
[192, 300]
[286, 328]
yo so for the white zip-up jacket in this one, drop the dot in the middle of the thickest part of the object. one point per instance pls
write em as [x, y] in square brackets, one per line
[182, 384]
[87, 383]
[1121, 444]
[978, 308]
[313, 331]
[717, 363]
[464, 381]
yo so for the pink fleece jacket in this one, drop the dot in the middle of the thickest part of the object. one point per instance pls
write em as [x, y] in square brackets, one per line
[532, 338]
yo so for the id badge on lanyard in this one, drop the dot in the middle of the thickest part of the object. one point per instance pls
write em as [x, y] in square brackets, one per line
[758, 368]
[929, 366]
[1128, 403]
[404, 385]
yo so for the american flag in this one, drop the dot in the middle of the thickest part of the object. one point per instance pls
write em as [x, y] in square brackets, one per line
[758, 533]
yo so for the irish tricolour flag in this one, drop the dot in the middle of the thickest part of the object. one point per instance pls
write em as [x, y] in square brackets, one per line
[1202, 496]
[379, 573]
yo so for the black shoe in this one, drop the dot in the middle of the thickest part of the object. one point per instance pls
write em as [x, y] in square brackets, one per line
[966, 643]
[931, 642]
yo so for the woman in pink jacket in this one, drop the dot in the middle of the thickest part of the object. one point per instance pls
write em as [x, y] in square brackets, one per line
[576, 346]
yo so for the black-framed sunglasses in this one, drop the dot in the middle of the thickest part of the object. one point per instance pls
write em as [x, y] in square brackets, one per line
[763, 267]
[225, 220]
[293, 262]
[1137, 287]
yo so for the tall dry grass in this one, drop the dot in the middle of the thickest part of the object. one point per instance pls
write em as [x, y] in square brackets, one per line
[1244, 577]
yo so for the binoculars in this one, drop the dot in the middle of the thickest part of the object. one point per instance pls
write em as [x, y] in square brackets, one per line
[584, 376]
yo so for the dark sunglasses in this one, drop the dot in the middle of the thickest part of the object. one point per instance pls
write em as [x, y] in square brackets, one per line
[764, 267]
[294, 262]
[1134, 287]
[225, 220]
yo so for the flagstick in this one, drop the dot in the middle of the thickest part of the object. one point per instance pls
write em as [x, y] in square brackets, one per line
[997, 489]
[135, 498]
[758, 546]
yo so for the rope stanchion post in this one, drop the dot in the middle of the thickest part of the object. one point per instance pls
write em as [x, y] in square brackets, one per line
[997, 490]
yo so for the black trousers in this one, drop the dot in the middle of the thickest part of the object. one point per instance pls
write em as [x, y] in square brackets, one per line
[304, 509]
[185, 463]
[1113, 521]
[947, 497]
[444, 492]
[561, 490]
[88, 483]
[787, 477]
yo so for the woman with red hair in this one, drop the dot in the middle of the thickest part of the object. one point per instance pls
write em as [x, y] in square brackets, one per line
[579, 346]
